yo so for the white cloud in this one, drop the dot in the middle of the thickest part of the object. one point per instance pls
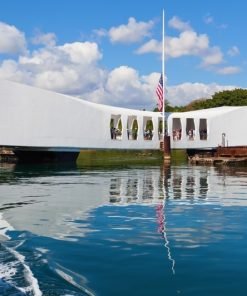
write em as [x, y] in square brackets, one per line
[132, 32]
[124, 87]
[41, 60]
[212, 56]
[187, 43]
[222, 26]
[82, 53]
[10, 69]
[184, 93]
[12, 41]
[56, 70]
[70, 68]
[208, 19]
[178, 24]
[234, 51]
[100, 32]
[152, 45]
[229, 70]
[73, 68]
[48, 39]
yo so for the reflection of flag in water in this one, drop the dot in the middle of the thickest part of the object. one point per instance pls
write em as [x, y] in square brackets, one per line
[159, 92]
[160, 214]
[160, 218]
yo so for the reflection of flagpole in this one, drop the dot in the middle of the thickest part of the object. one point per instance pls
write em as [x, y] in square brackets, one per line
[162, 229]
[166, 177]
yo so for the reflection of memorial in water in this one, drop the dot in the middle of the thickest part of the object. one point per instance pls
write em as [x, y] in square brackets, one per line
[190, 183]
[6, 172]
[145, 187]
[151, 186]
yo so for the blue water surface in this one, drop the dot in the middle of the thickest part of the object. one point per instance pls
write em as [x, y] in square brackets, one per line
[176, 230]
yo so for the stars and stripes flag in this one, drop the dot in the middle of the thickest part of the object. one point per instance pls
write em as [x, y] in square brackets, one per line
[159, 92]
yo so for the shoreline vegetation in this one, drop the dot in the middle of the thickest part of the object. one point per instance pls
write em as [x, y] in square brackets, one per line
[101, 157]
[112, 157]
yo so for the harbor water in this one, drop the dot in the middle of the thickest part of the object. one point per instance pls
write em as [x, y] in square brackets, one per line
[141, 231]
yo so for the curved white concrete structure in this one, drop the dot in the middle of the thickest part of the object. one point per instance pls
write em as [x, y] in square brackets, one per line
[208, 128]
[41, 120]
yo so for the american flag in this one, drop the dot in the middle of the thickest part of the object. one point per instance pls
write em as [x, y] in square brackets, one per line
[159, 92]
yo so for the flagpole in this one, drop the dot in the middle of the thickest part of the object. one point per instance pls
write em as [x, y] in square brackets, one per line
[163, 73]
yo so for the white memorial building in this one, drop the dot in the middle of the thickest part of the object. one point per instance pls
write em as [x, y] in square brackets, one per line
[208, 128]
[35, 122]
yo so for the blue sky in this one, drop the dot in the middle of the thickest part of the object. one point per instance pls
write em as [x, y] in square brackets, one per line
[110, 51]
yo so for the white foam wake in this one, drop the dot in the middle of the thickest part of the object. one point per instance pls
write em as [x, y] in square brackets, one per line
[34, 285]
[9, 270]
[4, 227]
[73, 278]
